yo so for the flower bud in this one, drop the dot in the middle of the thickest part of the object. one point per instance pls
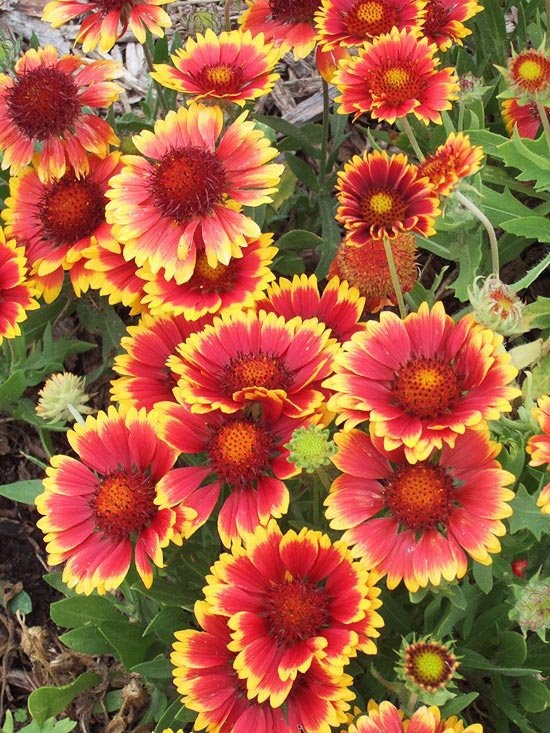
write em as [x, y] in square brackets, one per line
[58, 393]
[310, 447]
[496, 305]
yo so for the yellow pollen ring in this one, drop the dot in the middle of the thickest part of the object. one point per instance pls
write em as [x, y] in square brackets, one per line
[530, 70]
[370, 12]
[381, 203]
[396, 77]
[220, 74]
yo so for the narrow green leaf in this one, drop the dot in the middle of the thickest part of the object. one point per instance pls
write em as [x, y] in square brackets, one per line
[473, 660]
[299, 239]
[158, 668]
[13, 387]
[483, 576]
[47, 702]
[24, 492]
[458, 704]
[535, 227]
[302, 171]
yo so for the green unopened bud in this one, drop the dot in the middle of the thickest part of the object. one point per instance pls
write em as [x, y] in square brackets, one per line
[471, 88]
[496, 306]
[532, 609]
[310, 447]
[63, 398]
[428, 668]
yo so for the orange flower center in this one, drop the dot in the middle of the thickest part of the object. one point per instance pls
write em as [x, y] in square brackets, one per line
[429, 665]
[43, 103]
[503, 303]
[396, 84]
[239, 451]
[187, 182]
[370, 18]
[383, 207]
[530, 71]
[255, 370]
[296, 610]
[217, 279]
[293, 11]
[71, 209]
[419, 496]
[124, 503]
[221, 79]
[426, 387]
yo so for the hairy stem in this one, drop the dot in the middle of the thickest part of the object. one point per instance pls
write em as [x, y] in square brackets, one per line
[493, 242]
[324, 139]
[394, 277]
[412, 139]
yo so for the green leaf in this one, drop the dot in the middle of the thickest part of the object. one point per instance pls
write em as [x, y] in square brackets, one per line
[168, 620]
[458, 704]
[83, 610]
[21, 602]
[298, 239]
[534, 227]
[469, 260]
[537, 314]
[512, 649]
[24, 492]
[530, 157]
[534, 695]
[330, 232]
[302, 171]
[127, 641]
[483, 576]
[87, 640]
[158, 668]
[300, 134]
[527, 515]
[472, 660]
[502, 206]
[13, 387]
[489, 141]
[47, 702]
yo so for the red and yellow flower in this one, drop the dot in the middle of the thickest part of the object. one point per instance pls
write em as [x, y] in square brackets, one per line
[381, 195]
[103, 23]
[255, 357]
[456, 159]
[205, 677]
[185, 192]
[444, 21]
[385, 717]
[352, 22]
[15, 290]
[525, 116]
[538, 447]
[528, 74]
[365, 267]
[286, 23]
[237, 285]
[290, 599]
[59, 219]
[232, 67]
[245, 453]
[394, 75]
[103, 507]
[43, 106]
[423, 380]
[339, 306]
[113, 276]
[145, 376]
[419, 522]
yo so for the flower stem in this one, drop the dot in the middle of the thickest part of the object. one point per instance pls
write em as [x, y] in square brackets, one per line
[160, 91]
[324, 139]
[394, 277]
[412, 139]
[544, 119]
[227, 14]
[465, 201]
[75, 413]
[460, 123]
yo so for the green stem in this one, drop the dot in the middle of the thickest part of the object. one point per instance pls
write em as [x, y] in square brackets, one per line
[160, 91]
[544, 120]
[547, 7]
[394, 277]
[227, 14]
[493, 242]
[316, 499]
[75, 413]
[412, 139]
[324, 139]
[460, 123]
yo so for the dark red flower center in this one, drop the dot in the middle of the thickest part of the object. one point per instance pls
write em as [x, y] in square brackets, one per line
[255, 370]
[419, 496]
[187, 182]
[436, 18]
[370, 18]
[296, 610]
[124, 503]
[293, 11]
[71, 209]
[239, 450]
[107, 6]
[219, 279]
[429, 665]
[383, 207]
[43, 102]
[426, 387]
[221, 79]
